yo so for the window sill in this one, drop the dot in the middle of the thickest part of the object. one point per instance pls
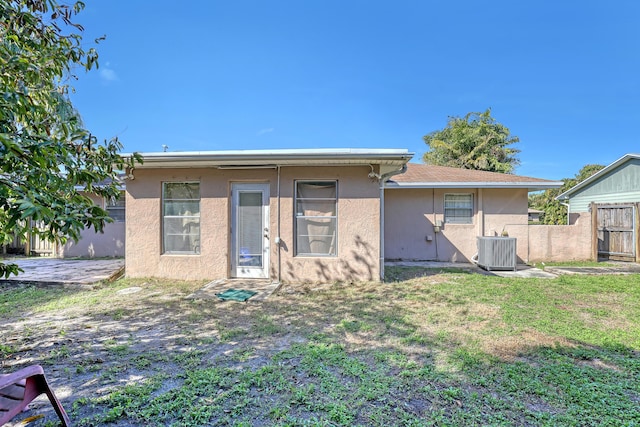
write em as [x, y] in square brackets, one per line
[179, 254]
[314, 256]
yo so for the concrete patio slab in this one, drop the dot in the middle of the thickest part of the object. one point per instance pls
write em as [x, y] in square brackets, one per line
[65, 271]
[524, 270]
[521, 271]
[618, 268]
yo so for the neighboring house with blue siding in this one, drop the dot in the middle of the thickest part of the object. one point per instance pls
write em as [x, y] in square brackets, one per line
[617, 183]
[612, 195]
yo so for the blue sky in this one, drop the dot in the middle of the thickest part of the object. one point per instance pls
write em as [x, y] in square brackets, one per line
[564, 76]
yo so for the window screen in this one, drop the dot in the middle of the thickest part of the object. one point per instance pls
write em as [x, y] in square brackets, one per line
[316, 219]
[181, 217]
[458, 208]
[116, 207]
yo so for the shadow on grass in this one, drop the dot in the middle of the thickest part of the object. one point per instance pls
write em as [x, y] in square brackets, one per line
[399, 274]
[359, 354]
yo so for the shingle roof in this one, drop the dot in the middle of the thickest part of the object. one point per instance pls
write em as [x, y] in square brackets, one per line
[428, 176]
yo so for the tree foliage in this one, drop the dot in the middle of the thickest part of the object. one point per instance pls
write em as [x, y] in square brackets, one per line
[475, 141]
[47, 156]
[555, 213]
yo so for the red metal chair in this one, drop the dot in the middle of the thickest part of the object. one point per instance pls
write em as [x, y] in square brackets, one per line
[18, 389]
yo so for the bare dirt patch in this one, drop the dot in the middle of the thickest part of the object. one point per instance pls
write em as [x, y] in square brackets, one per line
[312, 352]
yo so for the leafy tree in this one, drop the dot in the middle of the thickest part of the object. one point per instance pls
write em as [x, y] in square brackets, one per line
[554, 211]
[47, 156]
[475, 141]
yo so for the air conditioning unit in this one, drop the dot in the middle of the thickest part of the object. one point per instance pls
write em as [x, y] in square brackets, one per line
[497, 253]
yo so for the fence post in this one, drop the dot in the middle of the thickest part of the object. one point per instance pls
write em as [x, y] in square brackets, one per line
[27, 241]
[636, 231]
[594, 231]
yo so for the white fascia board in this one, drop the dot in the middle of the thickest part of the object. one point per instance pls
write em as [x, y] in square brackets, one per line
[280, 152]
[274, 157]
[531, 186]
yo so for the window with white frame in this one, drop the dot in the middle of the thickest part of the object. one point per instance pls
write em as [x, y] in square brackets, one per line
[115, 207]
[181, 217]
[458, 208]
[316, 224]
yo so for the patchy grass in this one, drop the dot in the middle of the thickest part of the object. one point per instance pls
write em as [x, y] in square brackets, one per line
[542, 265]
[431, 348]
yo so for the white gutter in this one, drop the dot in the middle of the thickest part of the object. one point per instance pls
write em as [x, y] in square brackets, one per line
[453, 184]
[272, 158]
[297, 152]
[382, 180]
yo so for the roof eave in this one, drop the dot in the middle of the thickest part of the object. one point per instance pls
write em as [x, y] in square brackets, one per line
[262, 158]
[531, 186]
[597, 175]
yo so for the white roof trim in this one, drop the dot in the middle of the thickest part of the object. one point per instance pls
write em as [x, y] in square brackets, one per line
[298, 157]
[597, 175]
[534, 185]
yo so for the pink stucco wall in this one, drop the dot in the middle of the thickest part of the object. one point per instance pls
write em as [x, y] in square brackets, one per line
[358, 227]
[358, 224]
[109, 243]
[410, 215]
[562, 242]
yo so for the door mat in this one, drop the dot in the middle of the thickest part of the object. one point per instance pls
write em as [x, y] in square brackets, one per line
[236, 295]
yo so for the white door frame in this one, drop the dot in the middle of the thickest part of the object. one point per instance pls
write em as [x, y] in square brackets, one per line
[238, 268]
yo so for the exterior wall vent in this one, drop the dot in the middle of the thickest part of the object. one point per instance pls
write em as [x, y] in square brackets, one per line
[497, 253]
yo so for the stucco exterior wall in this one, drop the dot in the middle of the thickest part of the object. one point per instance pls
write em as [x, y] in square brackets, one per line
[506, 210]
[357, 212]
[410, 216]
[109, 243]
[562, 242]
[358, 228]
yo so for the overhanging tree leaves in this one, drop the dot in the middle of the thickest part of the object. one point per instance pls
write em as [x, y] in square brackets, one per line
[555, 213]
[47, 155]
[475, 141]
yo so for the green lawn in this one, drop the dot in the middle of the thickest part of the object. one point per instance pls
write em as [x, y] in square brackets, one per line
[432, 348]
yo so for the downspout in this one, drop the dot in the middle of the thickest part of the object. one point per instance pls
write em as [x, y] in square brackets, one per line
[435, 218]
[480, 212]
[481, 229]
[382, 180]
[277, 241]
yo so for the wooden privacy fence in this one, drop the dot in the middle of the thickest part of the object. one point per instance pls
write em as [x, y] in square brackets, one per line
[32, 245]
[616, 231]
